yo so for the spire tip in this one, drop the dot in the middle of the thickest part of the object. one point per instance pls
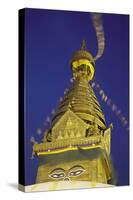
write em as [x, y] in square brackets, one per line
[83, 47]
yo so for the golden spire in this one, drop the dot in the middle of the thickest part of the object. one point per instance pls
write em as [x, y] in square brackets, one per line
[79, 102]
[83, 102]
[78, 123]
[83, 61]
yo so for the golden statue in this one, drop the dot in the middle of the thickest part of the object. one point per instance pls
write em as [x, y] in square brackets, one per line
[77, 145]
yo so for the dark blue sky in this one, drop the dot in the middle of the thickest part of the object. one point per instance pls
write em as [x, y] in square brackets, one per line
[51, 38]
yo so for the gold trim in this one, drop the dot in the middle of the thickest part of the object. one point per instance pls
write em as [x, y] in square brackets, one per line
[67, 149]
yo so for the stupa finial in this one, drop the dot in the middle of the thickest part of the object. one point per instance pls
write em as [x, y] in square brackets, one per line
[83, 47]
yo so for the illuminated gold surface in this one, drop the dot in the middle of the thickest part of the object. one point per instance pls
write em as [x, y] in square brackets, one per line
[66, 149]
[83, 53]
[94, 171]
[77, 63]
[78, 125]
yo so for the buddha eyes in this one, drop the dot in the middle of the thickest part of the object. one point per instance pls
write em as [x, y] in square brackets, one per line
[57, 176]
[60, 173]
[76, 173]
[76, 170]
[57, 173]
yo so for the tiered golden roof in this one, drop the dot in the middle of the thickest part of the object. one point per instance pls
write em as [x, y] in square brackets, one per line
[81, 100]
[78, 120]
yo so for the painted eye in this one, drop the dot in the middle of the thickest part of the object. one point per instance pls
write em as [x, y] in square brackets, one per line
[57, 173]
[76, 173]
[61, 175]
[76, 170]
[54, 175]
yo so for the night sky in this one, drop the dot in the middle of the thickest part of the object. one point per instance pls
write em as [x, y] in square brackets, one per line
[51, 38]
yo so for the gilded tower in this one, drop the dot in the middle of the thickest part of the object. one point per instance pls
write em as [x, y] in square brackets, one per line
[76, 147]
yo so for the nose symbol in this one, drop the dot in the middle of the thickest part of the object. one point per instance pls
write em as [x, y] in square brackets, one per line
[66, 179]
